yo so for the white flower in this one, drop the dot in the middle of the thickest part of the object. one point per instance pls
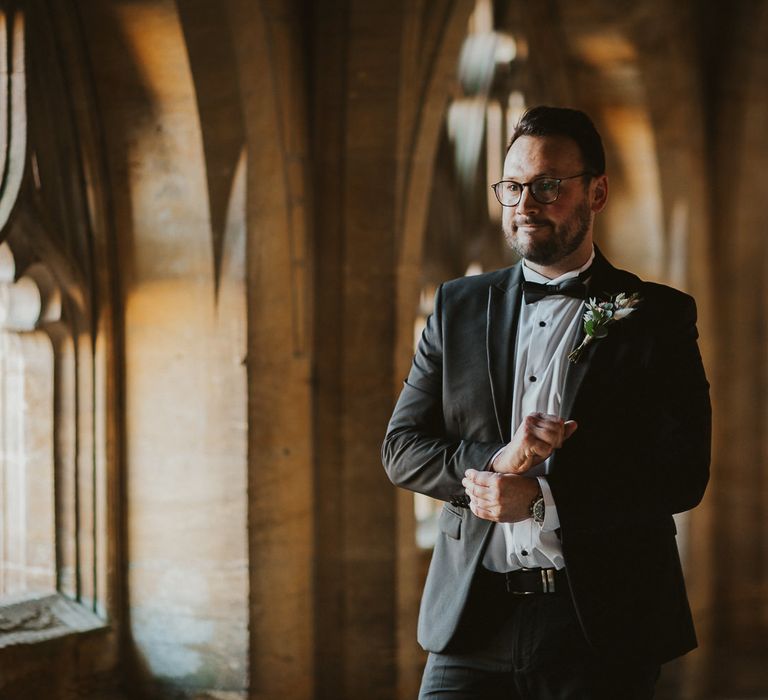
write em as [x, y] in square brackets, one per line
[622, 313]
[600, 315]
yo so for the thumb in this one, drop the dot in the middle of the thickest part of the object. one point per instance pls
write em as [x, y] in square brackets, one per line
[570, 428]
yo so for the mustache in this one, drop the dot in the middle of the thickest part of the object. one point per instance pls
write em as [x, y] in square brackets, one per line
[529, 221]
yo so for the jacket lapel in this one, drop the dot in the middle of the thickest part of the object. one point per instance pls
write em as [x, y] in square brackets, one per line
[600, 284]
[575, 376]
[501, 331]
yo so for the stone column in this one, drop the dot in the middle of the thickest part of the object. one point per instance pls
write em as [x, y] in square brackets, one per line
[281, 485]
[355, 52]
[739, 151]
[185, 383]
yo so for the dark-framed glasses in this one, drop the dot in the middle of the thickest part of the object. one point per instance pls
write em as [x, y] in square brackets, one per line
[545, 190]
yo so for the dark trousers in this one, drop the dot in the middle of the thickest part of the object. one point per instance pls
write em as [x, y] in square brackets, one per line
[529, 648]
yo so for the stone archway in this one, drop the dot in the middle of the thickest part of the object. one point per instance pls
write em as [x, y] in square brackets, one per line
[183, 310]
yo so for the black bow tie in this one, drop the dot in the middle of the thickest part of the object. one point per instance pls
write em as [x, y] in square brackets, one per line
[574, 287]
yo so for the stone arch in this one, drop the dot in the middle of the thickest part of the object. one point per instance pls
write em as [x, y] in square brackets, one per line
[58, 274]
[29, 537]
[13, 124]
[437, 86]
[166, 84]
[432, 41]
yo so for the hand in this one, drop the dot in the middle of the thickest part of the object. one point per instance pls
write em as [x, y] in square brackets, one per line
[534, 441]
[502, 498]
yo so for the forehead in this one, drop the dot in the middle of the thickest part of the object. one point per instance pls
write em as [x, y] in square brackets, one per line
[532, 156]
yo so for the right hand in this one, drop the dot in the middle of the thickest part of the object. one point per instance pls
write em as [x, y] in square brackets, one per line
[501, 498]
[536, 438]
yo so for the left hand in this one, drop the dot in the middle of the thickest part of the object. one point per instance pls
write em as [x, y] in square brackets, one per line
[537, 436]
[502, 498]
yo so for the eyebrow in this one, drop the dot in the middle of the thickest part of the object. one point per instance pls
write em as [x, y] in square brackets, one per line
[535, 177]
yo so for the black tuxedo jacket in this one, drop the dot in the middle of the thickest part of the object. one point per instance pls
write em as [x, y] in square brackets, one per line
[640, 454]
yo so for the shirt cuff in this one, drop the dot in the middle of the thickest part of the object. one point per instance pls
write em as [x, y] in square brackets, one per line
[551, 519]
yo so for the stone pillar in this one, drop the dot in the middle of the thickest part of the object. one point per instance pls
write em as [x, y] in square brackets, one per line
[670, 70]
[739, 156]
[356, 49]
[185, 383]
[433, 34]
[282, 498]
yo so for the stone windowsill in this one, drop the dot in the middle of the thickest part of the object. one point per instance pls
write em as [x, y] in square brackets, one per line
[38, 618]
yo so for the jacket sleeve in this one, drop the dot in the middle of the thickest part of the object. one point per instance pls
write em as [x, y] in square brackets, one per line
[420, 452]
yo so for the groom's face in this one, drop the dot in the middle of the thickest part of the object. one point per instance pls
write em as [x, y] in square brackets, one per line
[548, 234]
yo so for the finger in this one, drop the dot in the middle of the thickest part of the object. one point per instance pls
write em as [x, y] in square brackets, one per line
[537, 448]
[563, 429]
[472, 487]
[485, 500]
[555, 435]
[548, 425]
[480, 512]
[481, 478]
[548, 429]
[476, 490]
[546, 418]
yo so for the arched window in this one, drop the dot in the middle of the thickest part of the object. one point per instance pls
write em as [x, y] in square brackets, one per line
[27, 492]
[56, 401]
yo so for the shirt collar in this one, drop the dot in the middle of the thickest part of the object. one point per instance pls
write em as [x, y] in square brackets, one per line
[532, 276]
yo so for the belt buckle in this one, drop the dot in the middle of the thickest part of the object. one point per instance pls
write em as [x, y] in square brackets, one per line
[548, 580]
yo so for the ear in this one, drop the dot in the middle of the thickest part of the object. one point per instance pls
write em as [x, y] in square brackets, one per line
[599, 193]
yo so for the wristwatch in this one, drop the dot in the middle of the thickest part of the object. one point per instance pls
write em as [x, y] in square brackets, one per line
[536, 509]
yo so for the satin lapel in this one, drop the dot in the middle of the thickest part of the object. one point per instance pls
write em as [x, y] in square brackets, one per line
[501, 330]
[602, 282]
[575, 374]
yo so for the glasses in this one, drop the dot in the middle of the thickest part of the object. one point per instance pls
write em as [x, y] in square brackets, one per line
[545, 190]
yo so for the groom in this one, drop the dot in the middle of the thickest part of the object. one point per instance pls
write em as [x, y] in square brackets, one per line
[555, 573]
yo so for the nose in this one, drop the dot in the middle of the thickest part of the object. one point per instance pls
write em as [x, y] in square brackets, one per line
[527, 203]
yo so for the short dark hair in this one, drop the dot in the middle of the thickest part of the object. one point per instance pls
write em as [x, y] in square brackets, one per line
[561, 121]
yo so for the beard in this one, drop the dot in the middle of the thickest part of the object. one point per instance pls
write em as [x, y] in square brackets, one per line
[549, 247]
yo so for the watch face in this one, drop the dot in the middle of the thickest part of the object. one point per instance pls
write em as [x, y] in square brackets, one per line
[537, 510]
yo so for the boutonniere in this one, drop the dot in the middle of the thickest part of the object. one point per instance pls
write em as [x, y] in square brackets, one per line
[600, 315]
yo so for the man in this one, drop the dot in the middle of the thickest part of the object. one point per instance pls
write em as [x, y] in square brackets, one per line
[555, 573]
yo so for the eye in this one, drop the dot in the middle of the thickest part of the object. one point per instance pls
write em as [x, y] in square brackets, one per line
[546, 185]
[511, 187]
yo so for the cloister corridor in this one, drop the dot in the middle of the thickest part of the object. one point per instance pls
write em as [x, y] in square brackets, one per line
[222, 223]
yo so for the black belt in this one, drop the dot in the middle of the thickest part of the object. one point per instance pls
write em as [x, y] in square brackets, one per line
[528, 581]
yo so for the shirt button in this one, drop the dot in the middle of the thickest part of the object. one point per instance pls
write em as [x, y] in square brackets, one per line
[542, 324]
[532, 378]
[524, 552]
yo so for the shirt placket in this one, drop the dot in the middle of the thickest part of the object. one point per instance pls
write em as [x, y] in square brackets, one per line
[537, 361]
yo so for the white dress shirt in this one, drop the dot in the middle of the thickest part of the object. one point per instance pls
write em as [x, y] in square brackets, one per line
[546, 333]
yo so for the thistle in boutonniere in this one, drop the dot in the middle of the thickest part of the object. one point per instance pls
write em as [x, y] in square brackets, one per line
[601, 314]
